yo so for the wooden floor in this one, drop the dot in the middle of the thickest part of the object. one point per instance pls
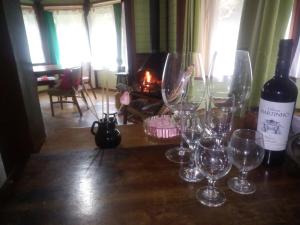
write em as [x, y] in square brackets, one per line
[65, 123]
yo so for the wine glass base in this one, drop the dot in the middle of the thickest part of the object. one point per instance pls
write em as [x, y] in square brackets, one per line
[210, 198]
[178, 155]
[242, 187]
[190, 174]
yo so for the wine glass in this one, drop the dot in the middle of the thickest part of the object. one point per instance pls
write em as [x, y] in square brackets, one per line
[192, 133]
[212, 159]
[232, 73]
[247, 152]
[183, 87]
[219, 115]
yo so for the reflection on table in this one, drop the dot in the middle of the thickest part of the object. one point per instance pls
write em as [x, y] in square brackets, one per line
[140, 186]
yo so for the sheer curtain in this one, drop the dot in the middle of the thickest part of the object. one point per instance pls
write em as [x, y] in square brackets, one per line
[33, 35]
[295, 71]
[124, 41]
[103, 37]
[225, 34]
[72, 36]
[208, 19]
[212, 26]
[295, 67]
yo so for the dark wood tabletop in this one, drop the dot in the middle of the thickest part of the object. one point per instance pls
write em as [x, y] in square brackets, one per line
[40, 70]
[140, 186]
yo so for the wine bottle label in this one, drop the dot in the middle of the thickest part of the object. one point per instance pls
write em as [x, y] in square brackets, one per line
[274, 120]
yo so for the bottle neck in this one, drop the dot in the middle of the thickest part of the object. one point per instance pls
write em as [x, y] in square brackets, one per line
[282, 68]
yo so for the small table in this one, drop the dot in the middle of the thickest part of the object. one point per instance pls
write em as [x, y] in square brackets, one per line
[49, 70]
[122, 78]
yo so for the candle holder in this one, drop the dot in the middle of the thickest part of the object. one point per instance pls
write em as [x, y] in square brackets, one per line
[161, 127]
[107, 135]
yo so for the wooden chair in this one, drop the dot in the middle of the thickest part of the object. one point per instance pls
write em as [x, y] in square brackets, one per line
[69, 86]
[86, 70]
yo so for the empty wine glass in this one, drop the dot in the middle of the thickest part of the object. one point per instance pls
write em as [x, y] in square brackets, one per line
[219, 115]
[183, 82]
[247, 152]
[231, 73]
[192, 133]
[212, 158]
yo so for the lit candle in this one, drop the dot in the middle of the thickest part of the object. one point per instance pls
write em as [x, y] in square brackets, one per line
[102, 101]
[107, 100]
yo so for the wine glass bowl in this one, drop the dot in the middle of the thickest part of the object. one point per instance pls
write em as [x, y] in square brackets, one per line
[213, 161]
[247, 152]
[232, 73]
[220, 114]
[179, 85]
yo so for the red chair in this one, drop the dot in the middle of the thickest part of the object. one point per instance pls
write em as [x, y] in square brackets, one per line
[69, 85]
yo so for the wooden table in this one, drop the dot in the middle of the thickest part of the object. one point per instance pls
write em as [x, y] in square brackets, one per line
[140, 186]
[49, 70]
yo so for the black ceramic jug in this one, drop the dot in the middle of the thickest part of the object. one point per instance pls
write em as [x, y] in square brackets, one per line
[107, 135]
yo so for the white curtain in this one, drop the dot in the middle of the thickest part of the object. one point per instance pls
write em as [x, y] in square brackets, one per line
[295, 71]
[103, 37]
[33, 35]
[72, 36]
[225, 33]
[124, 40]
[208, 20]
[295, 67]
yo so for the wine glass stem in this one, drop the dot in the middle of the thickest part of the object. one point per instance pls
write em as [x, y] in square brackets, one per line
[211, 188]
[192, 158]
[181, 128]
[243, 176]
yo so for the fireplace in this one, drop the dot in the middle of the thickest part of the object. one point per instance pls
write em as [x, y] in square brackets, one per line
[149, 75]
[146, 99]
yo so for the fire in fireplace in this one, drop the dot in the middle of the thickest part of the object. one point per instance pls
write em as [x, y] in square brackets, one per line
[149, 83]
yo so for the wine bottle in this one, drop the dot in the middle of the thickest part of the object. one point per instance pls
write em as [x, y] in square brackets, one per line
[276, 107]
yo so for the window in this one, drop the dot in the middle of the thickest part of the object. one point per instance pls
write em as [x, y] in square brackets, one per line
[103, 37]
[72, 36]
[33, 35]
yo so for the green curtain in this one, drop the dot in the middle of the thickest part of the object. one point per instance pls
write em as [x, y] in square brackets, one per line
[142, 26]
[191, 37]
[172, 26]
[163, 25]
[263, 24]
[52, 38]
[117, 14]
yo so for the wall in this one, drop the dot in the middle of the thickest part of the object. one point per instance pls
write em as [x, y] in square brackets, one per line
[2, 173]
[22, 129]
